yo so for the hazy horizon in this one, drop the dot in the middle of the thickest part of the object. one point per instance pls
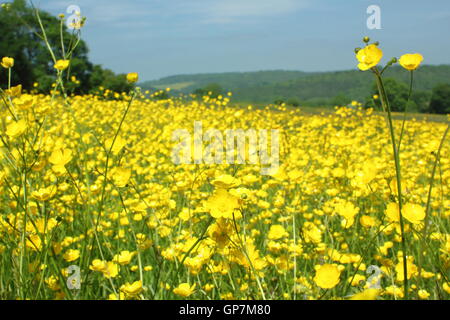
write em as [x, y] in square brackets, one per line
[274, 70]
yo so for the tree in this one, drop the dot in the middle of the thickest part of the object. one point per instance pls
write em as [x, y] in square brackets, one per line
[293, 102]
[397, 93]
[21, 38]
[340, 100]
[213, 90]
[440, 99]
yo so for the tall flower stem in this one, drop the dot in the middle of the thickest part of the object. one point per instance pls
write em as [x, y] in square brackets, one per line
[9, 78]
[411, 80]
[428, 208]
[387, 107]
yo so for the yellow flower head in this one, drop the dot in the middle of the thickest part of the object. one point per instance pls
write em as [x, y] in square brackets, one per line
[71, 255]
[14, 91]
[124, 257]
[368, 294]
[7, 62]
[121, 176]
[16, 129]
[61, 65]
[44, 194]
[111, 270]
[223, 205]
[327, 276]
[184, 290]
[60, 157]
[226, 182]
[413, 213]
[411, 61]
[133, 77]
[119, 143]
[277, 232]
[132, 289]
[369, 57]
[392, 212]
[98, 265]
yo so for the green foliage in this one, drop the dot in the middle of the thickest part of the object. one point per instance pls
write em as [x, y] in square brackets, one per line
[213, 90]
[21, 38]
[293, 102]
[311, 89]
[109, 80]
[440, 99]
[397, 93]
[341, 100]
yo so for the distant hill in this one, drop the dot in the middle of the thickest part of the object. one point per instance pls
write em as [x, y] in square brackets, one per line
[309, 88]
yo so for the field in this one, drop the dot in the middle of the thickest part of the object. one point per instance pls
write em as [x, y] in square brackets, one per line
[95, 208]
[110, 191]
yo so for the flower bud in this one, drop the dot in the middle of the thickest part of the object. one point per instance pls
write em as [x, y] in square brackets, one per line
[366, 39]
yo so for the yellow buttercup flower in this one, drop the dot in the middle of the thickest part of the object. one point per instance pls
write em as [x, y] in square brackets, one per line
[392, 212]
[44, 194]
[121, 176]
[423, 294]
[411, 61]
[327, 276]
[119, 143]
[277, 232]
[16, 129]
[223, 205]
[413, 213]
[411, 267]
[133, 289]
[133, 77]
[368, 294]
[369, 57]
[98, 265]
[124, 257]
[7, 62]
[59, 158]
[61, 65]
[14, 91]
[71, 255]
[111, 270]
[225, 182]
[184, 290]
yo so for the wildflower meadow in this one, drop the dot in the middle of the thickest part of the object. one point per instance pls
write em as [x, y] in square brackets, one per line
[122, 196]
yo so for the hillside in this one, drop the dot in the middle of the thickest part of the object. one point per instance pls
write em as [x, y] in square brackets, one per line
[310, 88]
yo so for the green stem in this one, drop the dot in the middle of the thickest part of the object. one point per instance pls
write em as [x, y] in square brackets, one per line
[62, 39]
[427, 212]
[385, 102]
[244, 250]
[406, 109]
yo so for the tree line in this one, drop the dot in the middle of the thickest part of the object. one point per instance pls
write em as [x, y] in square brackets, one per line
[21, 38]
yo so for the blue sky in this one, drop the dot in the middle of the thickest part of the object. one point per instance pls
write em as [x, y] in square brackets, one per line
[159, 38]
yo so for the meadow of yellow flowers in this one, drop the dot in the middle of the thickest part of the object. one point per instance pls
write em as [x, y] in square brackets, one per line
[93, 207]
